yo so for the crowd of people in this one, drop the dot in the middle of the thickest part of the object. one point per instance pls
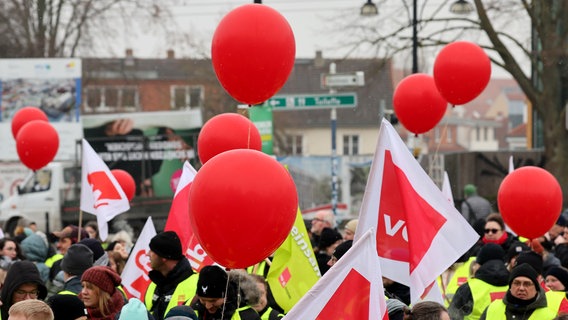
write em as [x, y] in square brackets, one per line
[72, 274]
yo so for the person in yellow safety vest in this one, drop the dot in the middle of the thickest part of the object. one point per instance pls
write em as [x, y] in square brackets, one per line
[225, 296]
[173, 280]
[265, 311]
[460, 276]
[557, 281]
[525, 299]
[490, 282]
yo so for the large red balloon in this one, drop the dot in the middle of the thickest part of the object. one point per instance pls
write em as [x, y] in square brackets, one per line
[126, 182]
[530, 201]
[253, 52]
[37, 143]
[243, 206]
[418, 104]
[461, 71]
[25, 115]
[227, 131]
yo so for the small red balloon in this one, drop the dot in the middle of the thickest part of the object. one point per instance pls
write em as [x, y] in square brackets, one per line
[126, 182]
[238, 198]
[417, 103]
[25, 115]
[225, 132]
[462, 71]
[37, 143]
[530, 201]
[253, 52]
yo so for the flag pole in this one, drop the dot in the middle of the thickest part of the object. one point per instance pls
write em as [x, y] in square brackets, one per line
[80, 223]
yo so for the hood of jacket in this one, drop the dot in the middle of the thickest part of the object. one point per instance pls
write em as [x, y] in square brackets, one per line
[20, 272]
[493, 272]
[34, 248]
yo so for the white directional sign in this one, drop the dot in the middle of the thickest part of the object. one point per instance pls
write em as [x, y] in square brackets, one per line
[334, 80]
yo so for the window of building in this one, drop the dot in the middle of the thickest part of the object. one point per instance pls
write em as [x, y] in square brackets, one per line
[185, 97]
[449, 135]
[437, 135]
[111, 99]
[350, 144]
[294, 143]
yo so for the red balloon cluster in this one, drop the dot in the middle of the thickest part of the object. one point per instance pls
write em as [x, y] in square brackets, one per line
[225, 132]
[530, 201]
[243, 204]
[461, 71]
[126, 182]
[37, 141]
[418, 104]
[253, 52]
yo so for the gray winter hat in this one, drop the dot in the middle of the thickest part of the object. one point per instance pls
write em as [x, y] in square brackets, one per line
[77, 259]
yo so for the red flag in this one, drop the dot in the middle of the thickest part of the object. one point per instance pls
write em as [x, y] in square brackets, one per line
[101, 193]
[134, 276]
[178, 221]
[419, 232]
[351, 290]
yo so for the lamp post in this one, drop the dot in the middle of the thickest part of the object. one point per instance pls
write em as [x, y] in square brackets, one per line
[458, 7]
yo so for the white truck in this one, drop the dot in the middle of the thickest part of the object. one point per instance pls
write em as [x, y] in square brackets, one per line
[50, 198]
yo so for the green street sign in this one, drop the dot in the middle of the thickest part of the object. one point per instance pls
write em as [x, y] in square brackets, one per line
[313, 101]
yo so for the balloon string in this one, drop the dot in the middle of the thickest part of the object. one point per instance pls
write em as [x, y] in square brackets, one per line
[226, 292]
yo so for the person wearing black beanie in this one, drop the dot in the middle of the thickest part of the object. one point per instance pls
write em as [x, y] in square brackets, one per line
[556, 279]
[173, 279]
[525, 299]
[489, 281]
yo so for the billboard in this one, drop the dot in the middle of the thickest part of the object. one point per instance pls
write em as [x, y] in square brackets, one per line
[52, 85]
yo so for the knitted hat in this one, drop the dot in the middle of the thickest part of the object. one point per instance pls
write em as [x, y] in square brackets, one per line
[490, 251]
[352, 225]
[95, 246]
[77, 259]
[561, 221]
[469, 190]
[167, 245]
[524, 270]
[328, 237]
[181, 313]
[134, 310]
[342, 249]
[103, 277]
[66, 306]
[212, 282]
[532, 258]
[515, 249]
[559, 273]
[395, 307]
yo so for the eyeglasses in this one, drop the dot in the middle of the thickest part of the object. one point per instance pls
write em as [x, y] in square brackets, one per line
[526, 284]
[32, 294]
[492, 230]
[318, 219]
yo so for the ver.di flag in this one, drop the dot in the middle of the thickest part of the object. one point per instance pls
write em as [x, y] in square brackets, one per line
[101, 194]
[178, 221]
[294, 269]
[419, 232]
[350, 290]
[134, 276]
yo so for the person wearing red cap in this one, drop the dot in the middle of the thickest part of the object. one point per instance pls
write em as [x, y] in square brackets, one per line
[100, 294]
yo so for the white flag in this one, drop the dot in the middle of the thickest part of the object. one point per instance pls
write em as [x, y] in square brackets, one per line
[134, 276]
[447, 188]
[351, 290]
[419, 232]
[101, 194]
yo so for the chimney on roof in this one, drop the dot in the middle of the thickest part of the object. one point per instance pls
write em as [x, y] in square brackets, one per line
[171, 54]
[129, 53]
[129, 60]
[319, 61]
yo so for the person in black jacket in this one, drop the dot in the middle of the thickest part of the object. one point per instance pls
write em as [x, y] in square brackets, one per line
[489, 282]
[22, 282]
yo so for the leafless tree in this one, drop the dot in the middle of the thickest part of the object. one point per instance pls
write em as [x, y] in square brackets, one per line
[71, 28]
[528, 39]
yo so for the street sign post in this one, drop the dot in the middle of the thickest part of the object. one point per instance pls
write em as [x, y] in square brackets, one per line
[313, 101]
